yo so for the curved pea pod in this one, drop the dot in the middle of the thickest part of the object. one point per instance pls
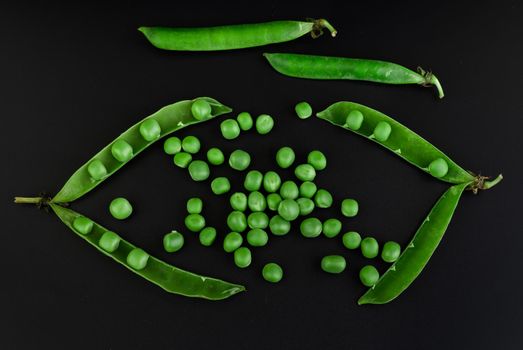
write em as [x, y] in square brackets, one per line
[168, 277]
[169, 119]
[417, 254]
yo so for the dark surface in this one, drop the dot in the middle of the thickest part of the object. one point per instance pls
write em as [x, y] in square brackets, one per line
[74, 77]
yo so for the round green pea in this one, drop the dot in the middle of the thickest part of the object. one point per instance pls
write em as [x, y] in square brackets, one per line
[207, 236]
[264, 124]
[369, 276]
[122, 151]
[317, 159]
[258, 220]
[120, 208]
[253, 180]
[256, 201]
[369, 247]
[150, 130]
[303, 110]
[97, 170]
[271, 181]
[172, 145]
[201, 109]
[305, 172]
[137, 259]
[215, 156]
[109, 241]
[390, 252]
[238, 201]
[242, 257]
[289, 190]
[323, 199]
[232, 241]
[239, 160]
[272, 272]
[273, 200]
[194, 205]
[306, 206]
[194, 222]
[331, 227]
[349, 207]
[311, 227]
[279, 226]
[333, 263]
[289, 209]
[220, 185]
[173, 242]
[354, 120]
[199, 170]
[285, 157]
[257, 237]
[230, 129]
[382, 131]
[438, 167]
[307, 189]
[237, 221]
[83, 225]
[182, 159]
[245, 121]
[191, 144]
[351, 240]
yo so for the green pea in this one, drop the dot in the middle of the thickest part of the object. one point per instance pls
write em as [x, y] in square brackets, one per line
[83, 225]
[289, 190]
[303, 110]
[120, 208]
[354, 120]
[382, 131]
[264, 124]
[137, 259]
[150, 130]
[438, 167]
[333, 264]
[305, 172]
[173, 242]
[122, 151]
[237, 221]
[306, 206]
[194, 205]
[220, 185]
[245, 121]
[242, 257]
[191, 144]
[369, 276]
[273, 200]
[331, 227]
[256, 201]
[109, 241]
[207, 236]
[257, 237]
[311, 227]
[201, 109]
[215, 156]
[253, 180]
[258, 220]
[349, 207]
[232, 241]
[289, 209]
[285, 157]
[272, 272]
[182, 159]
[230, 129]
[97, 170]
[172, 145]
[390, 252]
[279, 226]
[194, 222]
[238, 201]
[199, 170]
[351, 240]
[323, 199]
[369, 247]
[317, 159]
[307, 189]
[271, 181]
[239, 160]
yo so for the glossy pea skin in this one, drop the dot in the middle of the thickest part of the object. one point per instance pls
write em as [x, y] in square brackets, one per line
[253, 180]
[351, 240]
[257, 237]
[137, 259]
[349, 207]
[172, 145]
[317, 159]
[83, 225]
[194, 205]
[382, 131]
[256, 201]
[109, 241]
[173, 242]
[258, 220]
[273, 200]
[191, 144]
[369, 247]
[305, 172]
[220, 185]
[289, 190]
[390, 252]
[438, 168]
[239, 160]
[199, 170]
[289, 209]
[215, 156]
[308, 189]
[272, 272]
[201, 109]
[242, 257]
[97, 170]
[279, 226]
[354, 120]
[182, 159]
[120, 208]
[331, 227]
[245, 121]
[271, 181]
[237, 221]
[303, 110]
[150, 130]
[207, 236]
[369, 275]
[311, 227]
[306, 206]
[232, 241]
[230, 129]
[323, 199]
[194, 222]
[285, 156]
[333, 264]
[238, 201]
[264, 124]
[122, 151]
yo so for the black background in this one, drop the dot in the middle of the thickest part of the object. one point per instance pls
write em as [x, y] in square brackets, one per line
[73, 77]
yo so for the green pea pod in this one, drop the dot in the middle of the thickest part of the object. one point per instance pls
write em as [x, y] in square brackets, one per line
[232, 37]
[328, 68]
[417, 254]
[170, 278]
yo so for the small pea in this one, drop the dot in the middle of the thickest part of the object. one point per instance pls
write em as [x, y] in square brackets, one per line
[369, 276]
[305, 172]
[122, 151]
[182, 159]
[323, 199]
[201, 109]
[317, 159]
[236, 221]
[194, 222]
[438, 167]
[97, 170]
[173, 242]
[256, 201]
[207, 236]
[273, 200]
[172, 145]
[258, 220]
[232, 241]
[285, 157]
[311, 227]
[271, 181]
[199, 170]
[239, 160]
[382, 131]
[194, 205]
[279, 226]
[191, 144]
[308, 189]
[333, 263]
[369, 247]
[238, 201]
[83, 225]
[150, 130]
[354, 120]
[257, 237]
[230, 129]
[253, 180]
[349, 207]
[289, 190]
[109, 241]
[245, 121]
[272, 272]
[351, 240]
[390, 252]
[331, 227]
[120, 208]
[264, 124]
[215, 156]
[220, 185]
[303, 110]
[289, 209]
[137, 259]
[242, 257]
[306, 206]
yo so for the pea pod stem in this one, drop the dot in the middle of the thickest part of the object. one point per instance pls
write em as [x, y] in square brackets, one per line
[431, 80]
[29, 200]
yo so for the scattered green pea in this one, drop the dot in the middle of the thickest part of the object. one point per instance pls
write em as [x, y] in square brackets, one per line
[182, 159]
[173, 241]
[245, 121]
[253, 180]
[230, 129]
[201, 109]
[237, 221]
[271, 181]
[305, 172]
[306, 206]
[351, 240]
[199, 170]
[122, 151]
[289, 190]
[285, 157]
[172, 145]
[150, 130]
[438, 167]
[323, 199]
[239, 160]
[331, 227]
[215, 156]
[349, 207]
[317, 159]
[307, 189]
[369, 275]
[289, 209]
[207, 236]
[220, 185]
[382, 131]
[83, 225]
[264, 124]
[258, 220]
[369, 247]
[303, 110]
[109, 241]
[242, 257]
[279, 226]
[191, 144]
[333, 263]
[256, 201]
[311, 227]
[390, 252]
[194, 222]
[232, 241]
[238, 201]
[194, 205]
[120, 208]
[257, 237]
[137, 259]
[354, 120]
[273, 200]
[272, 272]
[97, 170]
